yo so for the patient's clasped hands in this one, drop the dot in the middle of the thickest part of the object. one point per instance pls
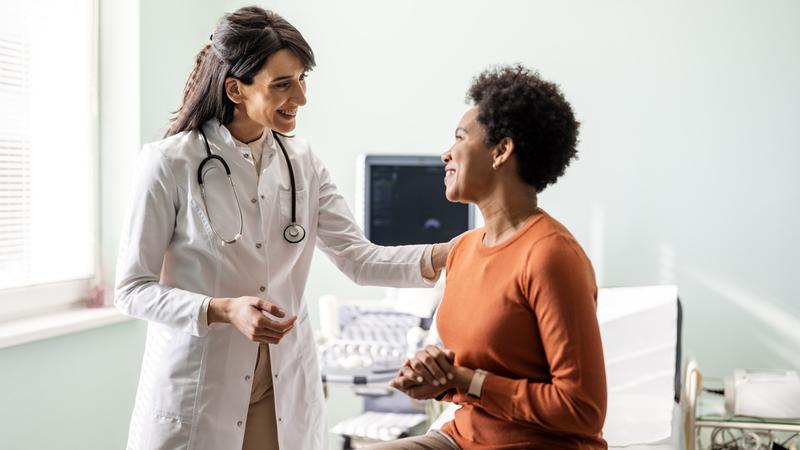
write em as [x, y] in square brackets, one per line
[430, 373]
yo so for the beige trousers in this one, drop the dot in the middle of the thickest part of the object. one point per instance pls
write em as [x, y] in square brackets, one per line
[261, 430]
[434, 440]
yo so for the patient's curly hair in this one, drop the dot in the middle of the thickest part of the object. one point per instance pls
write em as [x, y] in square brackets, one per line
[514, 102]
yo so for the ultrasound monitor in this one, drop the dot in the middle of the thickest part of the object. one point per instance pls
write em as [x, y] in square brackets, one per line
[402, 201]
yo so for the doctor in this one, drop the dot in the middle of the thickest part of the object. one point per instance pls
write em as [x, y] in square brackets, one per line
[217, 263]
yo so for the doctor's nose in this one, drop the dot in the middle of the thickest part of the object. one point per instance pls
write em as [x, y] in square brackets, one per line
[446, 157]
[299, 94]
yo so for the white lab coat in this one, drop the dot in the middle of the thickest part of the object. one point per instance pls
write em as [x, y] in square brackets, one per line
[195, 382]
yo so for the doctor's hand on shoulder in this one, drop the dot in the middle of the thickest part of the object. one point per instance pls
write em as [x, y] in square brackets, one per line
[440, 251]
[249, 316]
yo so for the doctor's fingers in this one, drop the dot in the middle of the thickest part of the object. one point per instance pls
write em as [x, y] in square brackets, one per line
[269, 337]
[257, 332]
[269, 307]
[265, 323]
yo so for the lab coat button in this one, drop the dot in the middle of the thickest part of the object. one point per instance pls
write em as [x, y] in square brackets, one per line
[252, 200]
[280, 419]
[262, 196]
[239, 424]
[258, 245]
[262, 289]
[247, 378]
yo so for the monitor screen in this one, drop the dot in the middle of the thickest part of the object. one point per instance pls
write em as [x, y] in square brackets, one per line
[404, 202]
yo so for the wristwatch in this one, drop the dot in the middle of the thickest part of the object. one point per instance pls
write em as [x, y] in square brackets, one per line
[476, 384]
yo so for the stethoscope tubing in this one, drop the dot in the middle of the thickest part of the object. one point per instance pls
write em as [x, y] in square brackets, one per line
[293, 233]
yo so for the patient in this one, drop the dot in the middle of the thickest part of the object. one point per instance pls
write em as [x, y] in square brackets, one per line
[524, 357]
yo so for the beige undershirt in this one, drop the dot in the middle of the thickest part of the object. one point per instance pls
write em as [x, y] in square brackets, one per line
[257, 149]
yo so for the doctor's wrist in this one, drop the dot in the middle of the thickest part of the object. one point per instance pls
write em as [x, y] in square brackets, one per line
[439, 256]
[218, 309]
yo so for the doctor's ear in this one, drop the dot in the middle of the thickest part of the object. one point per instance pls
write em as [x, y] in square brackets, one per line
[502, 152]
[233, 90]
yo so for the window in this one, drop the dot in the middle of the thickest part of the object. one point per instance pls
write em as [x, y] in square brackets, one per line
[48, 152]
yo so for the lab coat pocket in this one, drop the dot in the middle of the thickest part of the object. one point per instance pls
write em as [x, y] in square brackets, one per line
[200, 218]
[176, 380]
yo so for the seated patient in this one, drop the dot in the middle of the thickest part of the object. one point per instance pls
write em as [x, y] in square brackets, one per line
[524, 357]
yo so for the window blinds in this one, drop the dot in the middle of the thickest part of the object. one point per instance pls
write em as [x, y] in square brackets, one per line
[47, 142]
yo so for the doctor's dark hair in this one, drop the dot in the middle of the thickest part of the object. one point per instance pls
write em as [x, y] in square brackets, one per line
[240, 46]
[514, 102]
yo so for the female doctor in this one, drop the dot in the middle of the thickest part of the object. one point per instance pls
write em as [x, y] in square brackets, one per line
[216, 250]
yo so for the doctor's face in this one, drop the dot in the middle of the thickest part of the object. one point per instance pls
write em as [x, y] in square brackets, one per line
[468, 163]
[277, 92]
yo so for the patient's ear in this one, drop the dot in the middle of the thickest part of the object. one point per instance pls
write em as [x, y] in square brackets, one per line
[502, 152]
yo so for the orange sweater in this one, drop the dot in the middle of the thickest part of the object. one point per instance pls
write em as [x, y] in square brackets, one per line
[525, 311]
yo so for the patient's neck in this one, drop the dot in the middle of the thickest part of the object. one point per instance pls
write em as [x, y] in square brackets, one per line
[505, 210]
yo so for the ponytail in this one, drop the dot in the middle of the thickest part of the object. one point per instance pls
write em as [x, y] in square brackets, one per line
[197, 87]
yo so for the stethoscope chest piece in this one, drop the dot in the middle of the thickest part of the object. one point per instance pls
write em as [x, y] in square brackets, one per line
[294, 233]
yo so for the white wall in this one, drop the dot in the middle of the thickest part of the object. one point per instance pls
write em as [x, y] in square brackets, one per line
[689, 141]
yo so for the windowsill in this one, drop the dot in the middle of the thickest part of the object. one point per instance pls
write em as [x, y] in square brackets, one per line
[32, 329]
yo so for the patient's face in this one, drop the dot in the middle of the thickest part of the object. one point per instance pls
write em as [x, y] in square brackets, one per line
[468, 163]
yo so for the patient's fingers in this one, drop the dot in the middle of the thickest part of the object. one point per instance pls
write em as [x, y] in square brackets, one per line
[432, 364]
[402, 382]
[422, 370]
[409, 373]
[444, 363]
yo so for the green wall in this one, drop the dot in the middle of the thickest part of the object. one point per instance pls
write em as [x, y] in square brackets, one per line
[73, 392]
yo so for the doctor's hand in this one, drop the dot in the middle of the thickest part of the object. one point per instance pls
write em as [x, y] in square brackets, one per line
[247, 314]
[440, 251]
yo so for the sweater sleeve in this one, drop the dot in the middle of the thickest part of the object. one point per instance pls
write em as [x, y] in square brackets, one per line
[562, 294]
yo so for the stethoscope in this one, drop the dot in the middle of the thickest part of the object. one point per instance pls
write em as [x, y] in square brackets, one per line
[293, 233]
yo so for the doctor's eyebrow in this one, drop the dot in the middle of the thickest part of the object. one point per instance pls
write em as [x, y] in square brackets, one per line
[284, 78]
[462, 129]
